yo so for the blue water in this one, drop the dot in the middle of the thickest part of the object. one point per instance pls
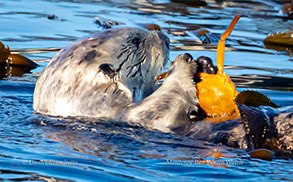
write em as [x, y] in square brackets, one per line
[40, 148]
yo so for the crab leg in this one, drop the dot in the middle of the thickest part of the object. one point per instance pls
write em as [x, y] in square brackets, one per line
[220, 48]
[221, 45]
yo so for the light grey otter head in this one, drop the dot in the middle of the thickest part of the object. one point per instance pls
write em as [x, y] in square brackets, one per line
[101, 72]
[136, 55]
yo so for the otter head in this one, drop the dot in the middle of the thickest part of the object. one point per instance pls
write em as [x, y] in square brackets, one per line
[137, 56]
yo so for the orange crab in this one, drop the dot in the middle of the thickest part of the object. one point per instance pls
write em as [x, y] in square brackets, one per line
[216, 92]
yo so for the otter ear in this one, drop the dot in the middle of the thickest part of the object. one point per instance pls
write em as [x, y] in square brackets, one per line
[108, 70]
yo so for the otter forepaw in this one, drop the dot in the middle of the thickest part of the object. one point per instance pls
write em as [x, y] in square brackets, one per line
[186, 58]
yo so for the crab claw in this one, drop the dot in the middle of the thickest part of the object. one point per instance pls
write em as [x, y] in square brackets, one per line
[216, 92]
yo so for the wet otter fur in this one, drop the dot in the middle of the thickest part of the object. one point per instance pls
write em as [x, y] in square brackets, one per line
[88, 79]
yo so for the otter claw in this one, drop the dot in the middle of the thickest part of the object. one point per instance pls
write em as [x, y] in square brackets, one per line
[186, 57]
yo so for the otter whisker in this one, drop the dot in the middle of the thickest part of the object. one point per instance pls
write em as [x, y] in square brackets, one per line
[122, 53]
[124, 61]
[140, 61]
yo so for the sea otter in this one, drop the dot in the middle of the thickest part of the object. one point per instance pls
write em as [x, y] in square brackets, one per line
[111, 75]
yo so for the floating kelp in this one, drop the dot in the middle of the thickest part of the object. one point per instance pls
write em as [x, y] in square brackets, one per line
[280, 41]
[17, 71]
[254, 99]
[261, 154]
[16, 59]
[13, 64]
[4, 53]
[284, 38]
[9, 59]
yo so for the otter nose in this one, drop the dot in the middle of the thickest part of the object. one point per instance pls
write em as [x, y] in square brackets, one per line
[164, 38]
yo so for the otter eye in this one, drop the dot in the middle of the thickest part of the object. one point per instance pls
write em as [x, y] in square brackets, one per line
[136, 41]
